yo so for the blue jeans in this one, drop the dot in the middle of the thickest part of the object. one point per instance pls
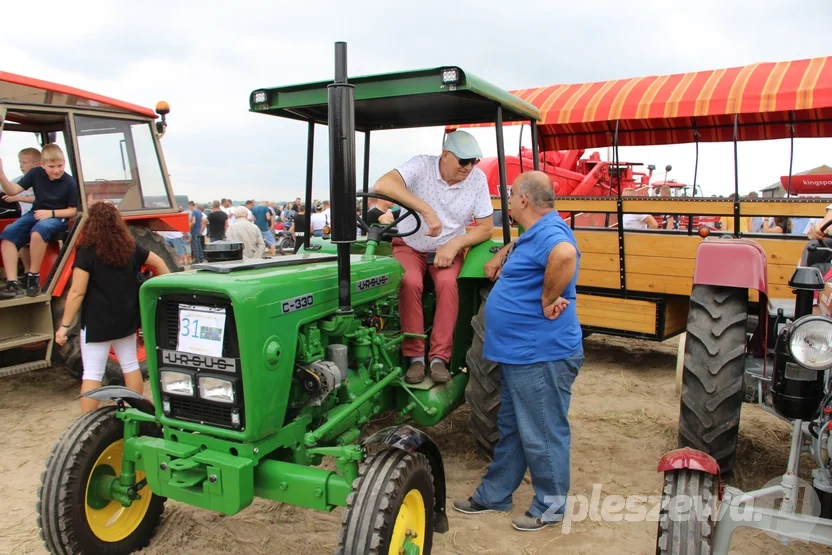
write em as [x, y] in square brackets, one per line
[196, 247]
[534, 434]
[20, 231]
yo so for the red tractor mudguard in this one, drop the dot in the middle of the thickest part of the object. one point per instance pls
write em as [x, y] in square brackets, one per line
[731, 263]
[688, 458]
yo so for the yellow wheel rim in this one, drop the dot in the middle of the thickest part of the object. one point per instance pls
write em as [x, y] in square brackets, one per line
[411, 518]
[114, 522]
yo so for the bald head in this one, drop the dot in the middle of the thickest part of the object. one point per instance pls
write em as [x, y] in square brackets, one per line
[538, 188]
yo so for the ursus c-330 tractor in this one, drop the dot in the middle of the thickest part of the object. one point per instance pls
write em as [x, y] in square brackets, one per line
[262, 369]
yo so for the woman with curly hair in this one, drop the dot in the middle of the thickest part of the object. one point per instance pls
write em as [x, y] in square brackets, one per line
[105, 287]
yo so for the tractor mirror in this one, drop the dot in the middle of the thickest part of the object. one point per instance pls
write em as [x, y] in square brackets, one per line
[668, 167]
[651, 167]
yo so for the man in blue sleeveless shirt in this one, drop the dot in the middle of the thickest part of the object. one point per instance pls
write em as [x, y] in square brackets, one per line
[532, 331]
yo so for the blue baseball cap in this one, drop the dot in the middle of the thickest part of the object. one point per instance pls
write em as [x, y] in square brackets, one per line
[463, 144]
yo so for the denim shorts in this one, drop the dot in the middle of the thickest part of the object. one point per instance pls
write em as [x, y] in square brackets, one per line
[268, 237]
[21, 230]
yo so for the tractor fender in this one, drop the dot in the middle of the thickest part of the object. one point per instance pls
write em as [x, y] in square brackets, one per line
[118, 392]
[409, 439]
[688, 458]
[731, 263]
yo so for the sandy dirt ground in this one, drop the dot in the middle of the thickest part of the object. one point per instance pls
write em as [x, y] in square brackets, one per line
[624, 414]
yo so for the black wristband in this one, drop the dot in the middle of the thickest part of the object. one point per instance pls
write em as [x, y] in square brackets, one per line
[53, 213]
[65, 326]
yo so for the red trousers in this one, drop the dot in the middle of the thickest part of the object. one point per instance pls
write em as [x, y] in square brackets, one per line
[410, 302]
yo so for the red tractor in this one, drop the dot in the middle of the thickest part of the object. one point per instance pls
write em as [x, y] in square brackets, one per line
[112, 149]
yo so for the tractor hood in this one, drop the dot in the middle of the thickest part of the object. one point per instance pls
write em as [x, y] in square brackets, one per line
[264, 305]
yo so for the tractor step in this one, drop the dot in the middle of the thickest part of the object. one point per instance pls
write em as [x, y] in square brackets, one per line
[22, 340]
[23, 368]
[41, 298]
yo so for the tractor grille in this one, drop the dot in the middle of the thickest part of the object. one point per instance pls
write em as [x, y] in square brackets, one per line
[197, 410]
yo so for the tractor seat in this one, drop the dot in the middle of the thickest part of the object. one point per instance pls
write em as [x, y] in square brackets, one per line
[61, 236]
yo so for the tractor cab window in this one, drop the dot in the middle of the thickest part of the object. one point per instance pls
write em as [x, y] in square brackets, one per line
[29, 130]
[120, 164]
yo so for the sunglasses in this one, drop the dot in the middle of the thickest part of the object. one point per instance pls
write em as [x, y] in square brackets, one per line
[466, 161]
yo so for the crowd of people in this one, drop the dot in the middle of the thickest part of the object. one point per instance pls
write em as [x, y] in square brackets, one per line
[748, 224]
[257, 225]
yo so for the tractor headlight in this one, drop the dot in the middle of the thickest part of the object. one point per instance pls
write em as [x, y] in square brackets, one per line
[810, 342]
[177, 383]
[260, 97]
[216, 389]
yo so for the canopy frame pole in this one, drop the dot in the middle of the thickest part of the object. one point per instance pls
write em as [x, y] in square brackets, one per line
[365, 186]
[501, 162]
[619, 205]
[791, 152]
[535, 147]
[736, 177]
[310, 153]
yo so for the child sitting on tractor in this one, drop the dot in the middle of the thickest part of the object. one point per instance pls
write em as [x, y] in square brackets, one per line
[56, 199]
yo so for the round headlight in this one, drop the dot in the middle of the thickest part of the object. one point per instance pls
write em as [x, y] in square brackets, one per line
[810, 342]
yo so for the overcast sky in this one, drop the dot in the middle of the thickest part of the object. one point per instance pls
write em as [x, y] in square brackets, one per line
[206, 57]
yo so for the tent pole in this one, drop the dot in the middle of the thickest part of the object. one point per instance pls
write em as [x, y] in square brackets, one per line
[535, 147]
[791, 153]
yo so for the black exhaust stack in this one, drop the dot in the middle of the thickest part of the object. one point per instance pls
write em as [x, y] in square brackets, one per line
[341, 97]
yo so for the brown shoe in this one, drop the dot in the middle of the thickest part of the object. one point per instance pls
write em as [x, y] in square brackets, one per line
[439, 372]
[416, 372]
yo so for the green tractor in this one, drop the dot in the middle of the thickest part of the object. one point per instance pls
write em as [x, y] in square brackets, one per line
[262, 370]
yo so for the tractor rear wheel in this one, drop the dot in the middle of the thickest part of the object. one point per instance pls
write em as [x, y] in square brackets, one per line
[156, 244]
[73, 516]
[484, 387]
[687, 518]
[712, 381]
[390, 509]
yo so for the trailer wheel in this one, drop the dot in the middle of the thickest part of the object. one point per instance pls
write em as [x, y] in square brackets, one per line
[687, 514]
[484, 387]
[390, 509]
[72, 516]
[712, 382]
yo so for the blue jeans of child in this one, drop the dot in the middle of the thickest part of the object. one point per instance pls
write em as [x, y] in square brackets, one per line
[534, 434]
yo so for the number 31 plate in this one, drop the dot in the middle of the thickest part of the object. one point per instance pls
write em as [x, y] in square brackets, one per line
[201, 330]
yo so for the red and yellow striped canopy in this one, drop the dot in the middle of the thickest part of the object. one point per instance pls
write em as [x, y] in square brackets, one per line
[671, 109]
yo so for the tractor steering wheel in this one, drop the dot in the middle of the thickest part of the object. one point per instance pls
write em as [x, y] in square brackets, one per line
[389, 230]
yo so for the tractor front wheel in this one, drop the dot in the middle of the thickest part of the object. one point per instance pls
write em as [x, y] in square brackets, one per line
[714, 364]
[687, 518]
[484, 387]
[390, 509]
[73, 515]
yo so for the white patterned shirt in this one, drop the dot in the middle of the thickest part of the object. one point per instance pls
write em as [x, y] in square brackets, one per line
[455, 205]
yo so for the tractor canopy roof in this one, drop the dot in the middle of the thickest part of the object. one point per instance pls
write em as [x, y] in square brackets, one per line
[422, 98]
[17, 89]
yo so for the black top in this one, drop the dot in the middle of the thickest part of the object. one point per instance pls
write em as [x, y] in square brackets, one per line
[50, 195]
[216, 225]
[110, 309]
[300, 223]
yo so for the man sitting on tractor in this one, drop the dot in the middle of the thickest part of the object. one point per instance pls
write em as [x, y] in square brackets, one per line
[56, 199]
[446, 191]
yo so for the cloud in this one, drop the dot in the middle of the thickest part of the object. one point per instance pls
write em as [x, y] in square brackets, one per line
[206, 57]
